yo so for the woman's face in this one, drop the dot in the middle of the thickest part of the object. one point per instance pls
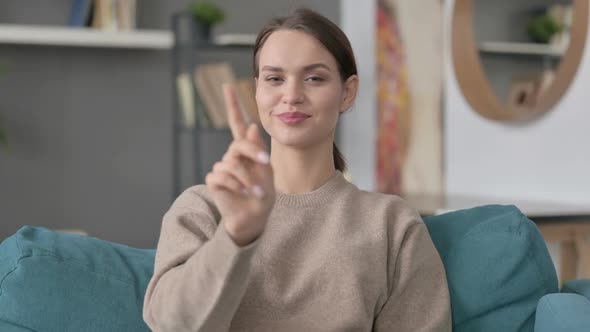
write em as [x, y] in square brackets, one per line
[299, 90]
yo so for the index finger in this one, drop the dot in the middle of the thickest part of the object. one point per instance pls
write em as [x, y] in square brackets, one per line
[234, 115]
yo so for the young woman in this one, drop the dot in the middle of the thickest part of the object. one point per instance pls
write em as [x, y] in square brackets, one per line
[281, 241]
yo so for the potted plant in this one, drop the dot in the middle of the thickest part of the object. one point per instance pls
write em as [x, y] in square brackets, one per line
[542, 28]
[205, 14]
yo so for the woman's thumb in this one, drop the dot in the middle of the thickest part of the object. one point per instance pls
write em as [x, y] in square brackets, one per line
[253, 135]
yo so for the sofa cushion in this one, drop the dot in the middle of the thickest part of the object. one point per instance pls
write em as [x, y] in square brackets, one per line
[580, 286]
[563, 313]
[8, 327]
[497, 264]
[61, 282]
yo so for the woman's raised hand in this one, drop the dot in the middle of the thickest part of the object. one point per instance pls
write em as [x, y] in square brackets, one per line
[242, 183]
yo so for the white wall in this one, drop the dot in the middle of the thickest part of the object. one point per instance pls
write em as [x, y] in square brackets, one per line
[548, 159]
[358, 126]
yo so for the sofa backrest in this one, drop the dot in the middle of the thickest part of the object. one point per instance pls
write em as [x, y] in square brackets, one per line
[51, 281]
[496, 261]
[497, 264]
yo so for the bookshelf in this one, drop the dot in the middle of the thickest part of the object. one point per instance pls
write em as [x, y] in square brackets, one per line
[37, 35]
[197, 145]
[510, 48]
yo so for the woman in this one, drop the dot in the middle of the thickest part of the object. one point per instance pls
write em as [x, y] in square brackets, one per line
[282, 242]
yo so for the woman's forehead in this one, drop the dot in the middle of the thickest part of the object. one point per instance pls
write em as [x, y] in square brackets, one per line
[289, 49]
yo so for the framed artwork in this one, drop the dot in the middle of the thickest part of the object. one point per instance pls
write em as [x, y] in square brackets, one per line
[409, 55]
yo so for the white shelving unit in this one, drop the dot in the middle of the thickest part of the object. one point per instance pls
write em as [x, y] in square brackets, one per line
[521, 48]
[84, 37]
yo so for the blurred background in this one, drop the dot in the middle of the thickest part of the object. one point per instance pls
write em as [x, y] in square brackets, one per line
[110, 108]
[89, 119]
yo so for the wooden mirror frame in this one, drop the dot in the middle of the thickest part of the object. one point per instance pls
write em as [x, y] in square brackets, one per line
[472, 79]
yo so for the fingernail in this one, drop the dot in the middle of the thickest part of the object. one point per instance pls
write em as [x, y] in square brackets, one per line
[263, 157]
[257, 191]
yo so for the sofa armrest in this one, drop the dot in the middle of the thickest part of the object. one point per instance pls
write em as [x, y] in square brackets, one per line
[580, 286]
[564, 312]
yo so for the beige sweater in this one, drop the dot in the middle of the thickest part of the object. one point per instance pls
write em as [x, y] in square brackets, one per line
[335, 259]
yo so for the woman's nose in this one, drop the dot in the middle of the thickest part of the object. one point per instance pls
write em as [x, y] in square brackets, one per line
[293, 93]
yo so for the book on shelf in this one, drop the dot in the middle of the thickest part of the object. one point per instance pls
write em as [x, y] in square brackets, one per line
[126, 14]
[221, 73]
[207, 91]
[192, 111]
[209, 80]
[80, 13]
[186, 100]
[246, 92]
[114, 15]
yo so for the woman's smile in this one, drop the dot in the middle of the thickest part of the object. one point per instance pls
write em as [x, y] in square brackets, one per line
[293, 118]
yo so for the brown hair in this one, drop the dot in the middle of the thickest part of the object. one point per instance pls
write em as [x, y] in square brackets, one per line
[327, 33]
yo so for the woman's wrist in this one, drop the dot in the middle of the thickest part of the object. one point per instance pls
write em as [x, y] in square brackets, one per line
[242, 237]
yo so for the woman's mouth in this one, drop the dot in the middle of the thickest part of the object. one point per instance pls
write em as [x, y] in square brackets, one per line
[293, 117]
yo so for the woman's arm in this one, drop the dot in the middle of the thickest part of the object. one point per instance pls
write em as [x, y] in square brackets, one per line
[419, 299]
[200, 274]
[202, 266]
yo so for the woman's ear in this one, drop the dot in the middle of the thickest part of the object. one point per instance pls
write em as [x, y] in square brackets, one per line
[350, 89]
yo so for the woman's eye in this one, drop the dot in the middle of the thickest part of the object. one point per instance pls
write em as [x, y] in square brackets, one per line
[315, 79]
[273, 79]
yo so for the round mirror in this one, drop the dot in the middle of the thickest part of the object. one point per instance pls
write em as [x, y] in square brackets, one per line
[514, 60]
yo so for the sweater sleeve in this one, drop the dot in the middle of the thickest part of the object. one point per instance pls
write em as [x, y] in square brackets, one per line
[419, 297]
[200, 274]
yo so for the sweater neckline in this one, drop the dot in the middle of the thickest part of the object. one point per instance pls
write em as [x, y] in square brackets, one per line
[322, 195]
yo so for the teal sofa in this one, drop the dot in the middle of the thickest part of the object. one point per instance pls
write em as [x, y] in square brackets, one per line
[500, 275]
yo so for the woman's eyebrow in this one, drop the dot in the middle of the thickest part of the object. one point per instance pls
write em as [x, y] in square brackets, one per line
[316, 66]
[272, 68]
[306, 68]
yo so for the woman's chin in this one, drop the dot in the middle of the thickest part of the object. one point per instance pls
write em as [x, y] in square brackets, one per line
[293, 141]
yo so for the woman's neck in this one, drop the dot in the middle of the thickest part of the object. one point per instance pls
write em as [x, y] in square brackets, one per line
[301, 171]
